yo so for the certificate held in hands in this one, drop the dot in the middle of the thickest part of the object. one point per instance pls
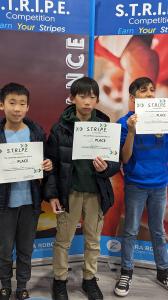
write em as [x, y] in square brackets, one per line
[152, 115]
[92, 139]
[21, 161]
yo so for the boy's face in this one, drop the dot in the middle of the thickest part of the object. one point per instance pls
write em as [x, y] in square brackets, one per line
[15, 108]
[147, 91]
[84, 105]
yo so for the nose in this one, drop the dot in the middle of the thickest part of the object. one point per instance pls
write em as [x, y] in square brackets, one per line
[150, 94]
[87, 101]
[17, 107]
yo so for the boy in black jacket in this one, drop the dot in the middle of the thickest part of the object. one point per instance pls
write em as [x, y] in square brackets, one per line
[19, 201]
[82, 189]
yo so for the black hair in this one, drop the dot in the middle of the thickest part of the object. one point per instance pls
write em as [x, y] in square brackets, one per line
[86, 86]
[13, 88]
[139, 83]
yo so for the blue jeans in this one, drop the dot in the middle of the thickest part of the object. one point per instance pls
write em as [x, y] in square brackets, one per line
[135, 201]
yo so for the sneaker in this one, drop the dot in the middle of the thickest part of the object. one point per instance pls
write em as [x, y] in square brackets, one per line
[21, 295]
[59, 290]
[91, 288]
[5, 293]
[162, 278]
[123, 285]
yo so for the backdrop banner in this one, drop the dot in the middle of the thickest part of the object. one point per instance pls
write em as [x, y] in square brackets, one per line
[44, 45]
[131, 17]
[127, 46]
[54, 16]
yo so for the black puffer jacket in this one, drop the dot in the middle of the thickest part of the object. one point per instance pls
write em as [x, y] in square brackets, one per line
[36, 135]
[59, 150]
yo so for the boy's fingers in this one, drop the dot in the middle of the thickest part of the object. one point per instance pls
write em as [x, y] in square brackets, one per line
[100, 162]
[45, 162]
[58, 206]
[47, 165]
[55, 204]
[100, 166]
[53, 208]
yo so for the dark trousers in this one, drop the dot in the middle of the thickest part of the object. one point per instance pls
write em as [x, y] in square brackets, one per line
[17, 227]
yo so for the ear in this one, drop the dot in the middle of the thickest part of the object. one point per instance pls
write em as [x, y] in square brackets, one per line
[72, 99]
[97, 101]
[131, 102]
[27, 108]
[1, 106]
[132, 98]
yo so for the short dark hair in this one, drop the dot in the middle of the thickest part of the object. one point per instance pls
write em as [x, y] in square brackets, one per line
[139, 83]
[13, 88]
[86, 86]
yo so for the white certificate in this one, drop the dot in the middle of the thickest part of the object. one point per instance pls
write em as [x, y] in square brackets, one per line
[21, 161]
[92, 139]
[152, 115]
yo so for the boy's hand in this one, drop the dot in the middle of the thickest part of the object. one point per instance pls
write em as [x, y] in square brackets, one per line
[100, 164]
[56, 207]
[47, 165]
[131, 122]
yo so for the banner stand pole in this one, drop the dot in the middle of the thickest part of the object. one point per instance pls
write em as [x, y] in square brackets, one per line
[91, 38]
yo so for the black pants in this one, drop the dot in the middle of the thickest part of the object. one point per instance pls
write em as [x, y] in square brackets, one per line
[17, 227]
